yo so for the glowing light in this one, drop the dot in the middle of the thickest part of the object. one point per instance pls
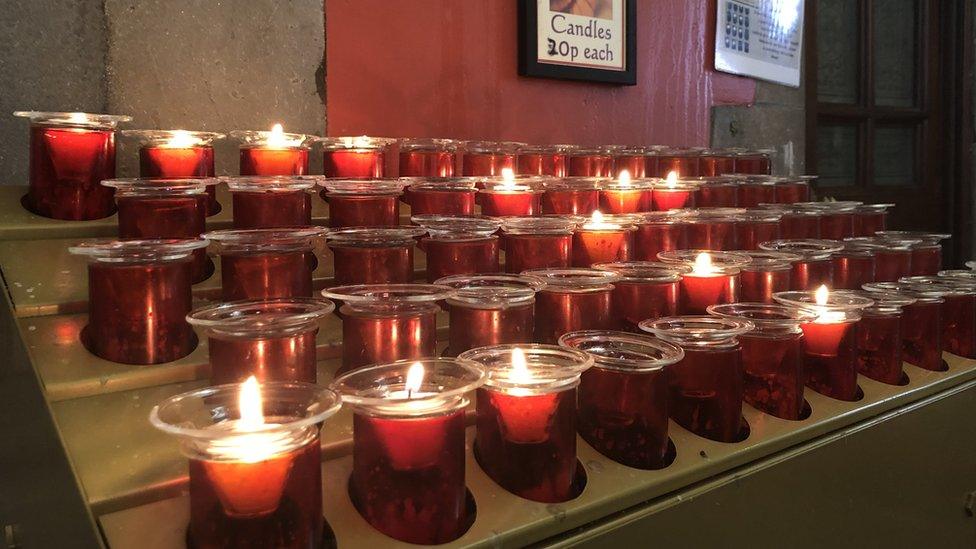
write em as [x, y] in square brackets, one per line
[825, 315]
[78, 117]
[415, 379]
[181, 139]
[249, 402]
[703, 264]
[520, 367]
[821, 295]
[624, 178]
[672, 180]
[598, 222]
[359, 142]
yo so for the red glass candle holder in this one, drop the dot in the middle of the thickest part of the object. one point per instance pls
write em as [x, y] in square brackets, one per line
[772, 356]
[796, 223]
[254, 462]
[716, 162]
[164, 209]
[658, 232]
[756, 226]
[373, 255]
[571, 196]
[590, 162]
[753, 191]
[355, 157]
[488, 158]
[265, 263]
[459, 245]
[646, 290]
[508, 198]
[526, 419]
[830, 344]
[711, 228]
[921, 323]
[362, 202]
[836, 218]
[449, 196]
[815, 267]
[70, 155]
[766, 274]
[758, 162]
[714, 191]
[879, 337]
[490, 310]
[272, 152]
[893, 258]
[854, 266]
[178, 154]
[537, 243]
[667, 196]
[632, 160]
[542, 160]
[387, 322]
[926, 251]
[408, 458]
[870, 219]
[603, 239]
[790, 190]
[706, 386]
[573, 300]
[684, 162]
[958, 312]
[623, 398]
[138, 299]
[428, 157]
[711, 277]
[624, 196]
[271, 202]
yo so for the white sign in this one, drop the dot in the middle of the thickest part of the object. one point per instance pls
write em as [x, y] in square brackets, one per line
[760, 38]
[577, 33]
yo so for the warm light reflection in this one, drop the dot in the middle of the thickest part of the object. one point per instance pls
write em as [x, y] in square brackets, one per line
[359, 142]
[703, 264]
[598, 222]
[181, 139]
[415, 379]
[249, 402]
[624, 178]
[672, 180]
[821, 295]
[78, 117]
[520, 367]
[825, 315]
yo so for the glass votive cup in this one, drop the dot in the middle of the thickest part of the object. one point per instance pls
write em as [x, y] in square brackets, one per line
[447, 196]
[363, 202]
[701, 286]
[766, 273]
[71, 153]
[387, 322]
[526, 419]
[408, 450]
[646, 290]
[706, 385]
[892, 257]
[755, 226]
[459, 245]
[757, 162]
[623, 398]
[178, 154]
[714, 191]
[658, 232]
[138, 299]
[428, 157]
[254, 481]
[164, 209]
[666, 196]
[815, 267]
[879, 337]
[926, 252]
[490, 309]
[632, 160]
[790, 190]
[373, 255]
[921, 323]
[265, 263]
[271, 202]
[830, 342]
[272, 152]
[272, 340]
[573, 300]
[355, 157]
[710, 228]
[871, 218]
[796, 223]
[754, 191]
[589, 162]
[836, 218]
[854, 266]
[716, 162]
[772, 356]
[624, 196]
[571, 196]
[958, 312]
[684, 162]
[542, 160]
[488, 158]
[508, 198]
[603, 239]
[537, 243]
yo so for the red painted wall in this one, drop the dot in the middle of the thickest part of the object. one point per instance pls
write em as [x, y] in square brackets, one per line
[448, 68]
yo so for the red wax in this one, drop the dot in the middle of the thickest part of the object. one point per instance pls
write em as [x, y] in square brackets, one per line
[634, 301]
[67, 166]
[753, 164]
[753, 194]
[527, 444]
[286, 358]
[758, 286]
[510, 203]
[453, 202]
[571, 201]
[173, 163]
[137, 312]
[810, 274]
[601, 246]
[624, 415]
[633, 163]
[377, 337]
[852, 271]
[265, 275]
[869, 222]
[363, 210]
[352, 163]
[773, 366]
[271, 503]
[147, 217]
[591, 165]
[959, 325]
[259, 161]
[471, 327]
[271, 210]
[712, 165]
[716, 196]
[420, 163]
[926, 259]
[892, 264]
[922, 335]
[524, 252]
[700, 291]
[374, 264]
[553, 164]
[617, 201]
[652, 238]
[663, 200]
[558, 312]
[750, 233]
[685, 165]
[792, 192]
[711, 234]
[486, 164]
[879, 347]
[799, 226]
[447, 256]
[706, 392]
[408, 476]
[836, 226]
[831, 359]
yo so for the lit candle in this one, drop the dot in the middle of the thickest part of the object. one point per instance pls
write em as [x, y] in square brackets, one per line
[273, 153]
[602, 241]
[671, 195]
[509, 198]
[178, 153]
[623, 196]
[707, 284]
[350, 157]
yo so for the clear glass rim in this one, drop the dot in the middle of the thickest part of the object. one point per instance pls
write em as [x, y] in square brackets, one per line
[492, 290]
[266, 239]
[453, 184]
[771, 216]
[458, 225]
[925, 237]
[367, 187]
[157, 186]
[391, 235]
[711, 181]
[839, 206]
[634, 185]
[256, 317]
[430, 144]
[354, 143]
[807, 248]
[161, 138]
[367, 294]
[837, 300]
[149, 250]
[269, 183]
[538, 225]
[884, 302]
[585, 150]
[766, 317]
[944, 285]
[720, 259]
[574, 184]
[696, 330]
[74, 119]
[259, 138]
[702, 215]
[529, 148]
[874, 208]
[964, 274]
[552, 368]
[765, 260]
[579, 280]
[611, 223]
[921, 294]
[509, 187]
[658, 218]
[888, 244]
[644, 271]
[669, 353]
[492, 147]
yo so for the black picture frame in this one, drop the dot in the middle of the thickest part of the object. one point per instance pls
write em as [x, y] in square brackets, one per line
[529, 65]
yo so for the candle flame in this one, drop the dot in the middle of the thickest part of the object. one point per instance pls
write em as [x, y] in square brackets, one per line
[249, 402]
[672, 179]
[181, 139]
[415, 378]
[78, 117]
[520, 367]
[825, 315]
[703, 264]
[821, 295]
[277, 137]
[597, 217]
[624, 178]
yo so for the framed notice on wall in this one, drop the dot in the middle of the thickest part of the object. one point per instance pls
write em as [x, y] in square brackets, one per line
[760, 38]
[593, 40]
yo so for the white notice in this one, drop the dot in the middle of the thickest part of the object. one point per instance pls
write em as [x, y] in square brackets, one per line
[760, 38]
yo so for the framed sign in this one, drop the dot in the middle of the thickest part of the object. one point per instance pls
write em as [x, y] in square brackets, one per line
[593, 40]
[760, 38]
